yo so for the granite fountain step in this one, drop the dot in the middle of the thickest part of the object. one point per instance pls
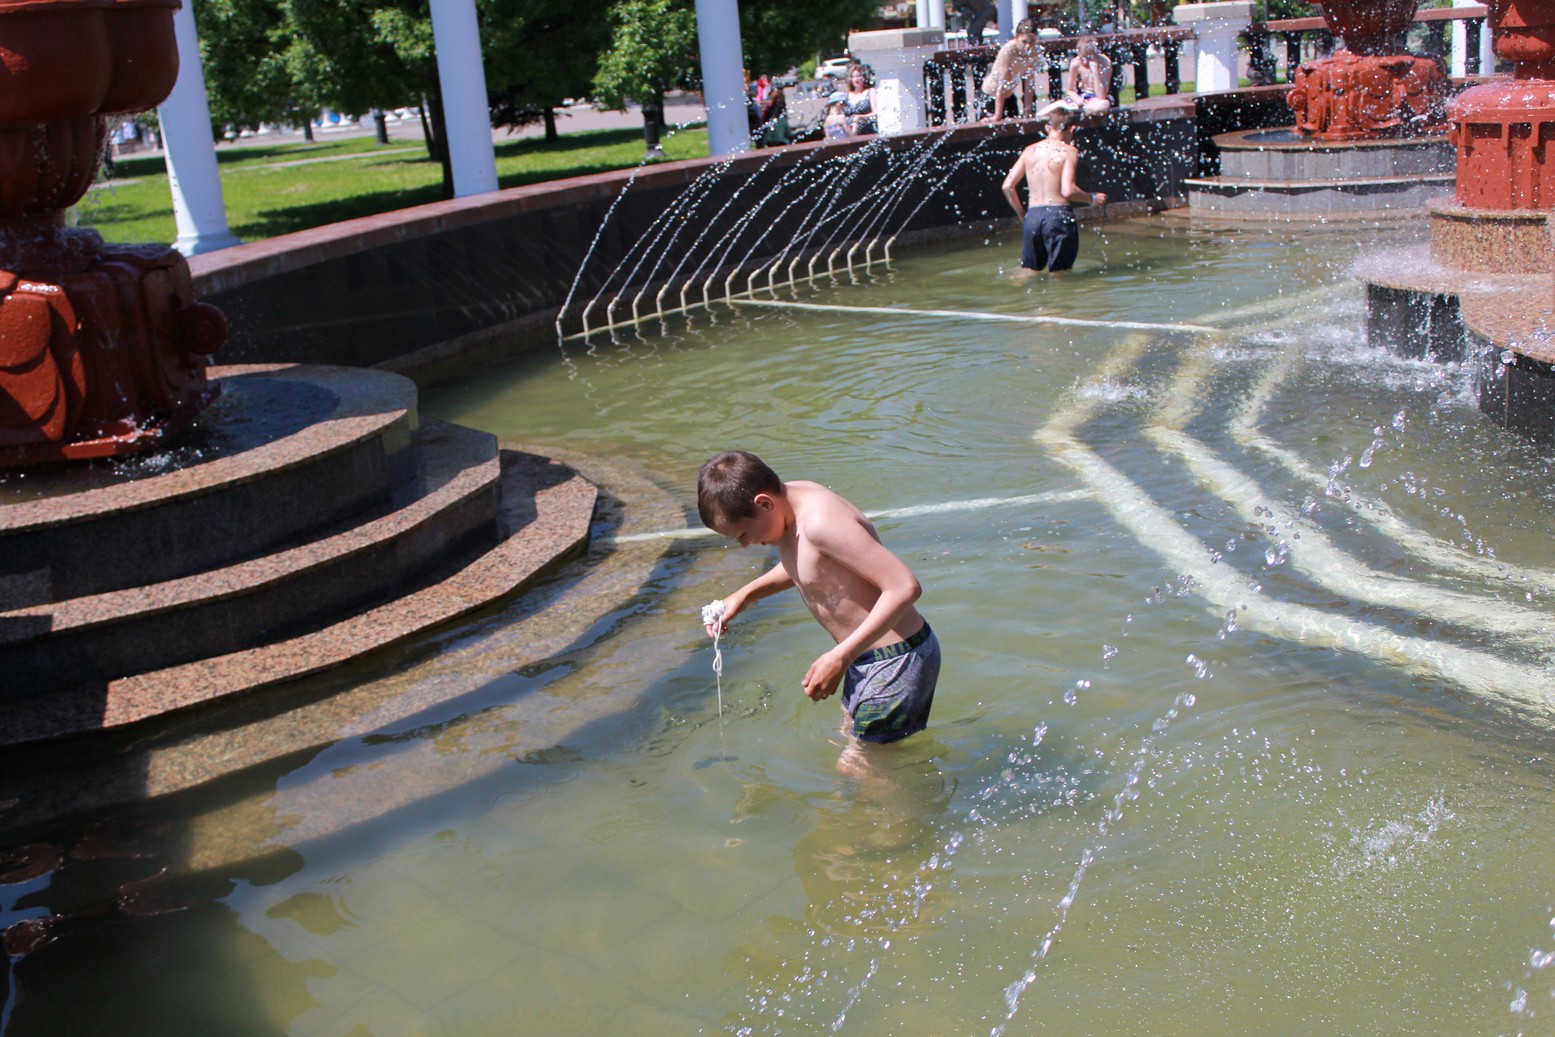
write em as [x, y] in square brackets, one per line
[443, 520]
[1314, 198]
[1277, 173]
[544, 517]
[286, 452]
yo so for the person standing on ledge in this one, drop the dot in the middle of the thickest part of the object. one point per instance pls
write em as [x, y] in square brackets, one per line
[1015, 66]
[1088, 79]
[1051, 235]
[886, 660]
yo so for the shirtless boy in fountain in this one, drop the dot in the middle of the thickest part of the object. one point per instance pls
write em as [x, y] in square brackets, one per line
[1052, 237]
[886, 658]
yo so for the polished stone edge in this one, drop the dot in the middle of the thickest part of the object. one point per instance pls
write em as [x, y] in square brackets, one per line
[558, 529]
[1494, 240]
[1503, 324]
[445, 519]
[368, 403]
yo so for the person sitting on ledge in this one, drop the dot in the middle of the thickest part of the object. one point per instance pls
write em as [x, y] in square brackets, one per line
[1016, 65]
[1088, 79]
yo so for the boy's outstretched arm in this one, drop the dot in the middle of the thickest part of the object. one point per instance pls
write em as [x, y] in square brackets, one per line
[850, 544]
[767, 584]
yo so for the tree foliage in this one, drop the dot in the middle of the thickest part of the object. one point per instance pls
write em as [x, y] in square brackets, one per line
[539, 53]
[777, 35]
[652, 49]
[654, 42]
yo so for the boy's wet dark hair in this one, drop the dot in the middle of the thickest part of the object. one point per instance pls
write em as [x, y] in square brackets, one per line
[1063, 117]
[728, 483]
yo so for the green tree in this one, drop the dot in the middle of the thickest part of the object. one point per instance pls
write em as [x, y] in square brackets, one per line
[539, 53]
[777, 35]
[654, 45]
[243, 48]
[652, 50]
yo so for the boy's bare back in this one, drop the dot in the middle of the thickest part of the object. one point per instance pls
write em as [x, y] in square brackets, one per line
[839, 565]
[1050, 171]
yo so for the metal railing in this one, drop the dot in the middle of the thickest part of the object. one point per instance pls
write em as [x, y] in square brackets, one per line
[1310, 36]
[953, 78]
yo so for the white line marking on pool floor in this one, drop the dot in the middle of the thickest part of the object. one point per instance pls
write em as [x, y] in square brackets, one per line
[1003, 318]
[909, 511]
[1222, 588]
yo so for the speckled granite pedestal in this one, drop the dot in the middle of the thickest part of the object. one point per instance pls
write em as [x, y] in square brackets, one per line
[1483, 290]
[1274, 173]
[310, 520]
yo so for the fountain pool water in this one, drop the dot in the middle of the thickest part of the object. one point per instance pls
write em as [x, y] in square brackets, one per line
[1243, 727]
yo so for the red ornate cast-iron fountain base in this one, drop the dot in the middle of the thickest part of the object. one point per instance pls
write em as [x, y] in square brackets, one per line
[1503, 130]
[1354, 97]
[102, 349]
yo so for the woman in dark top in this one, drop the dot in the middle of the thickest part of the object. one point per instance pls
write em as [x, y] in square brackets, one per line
[860, 107]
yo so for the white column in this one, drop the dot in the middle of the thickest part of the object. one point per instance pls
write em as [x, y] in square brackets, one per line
[723, 76]
[936, 14]
[1216, 27]
[1006, 20]
[198, 209]
[897, 57]
[1020, 10]
[466, 113]
[1461, 44]
[923, 14]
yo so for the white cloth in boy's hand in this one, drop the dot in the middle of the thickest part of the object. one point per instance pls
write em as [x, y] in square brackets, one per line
[712, 612]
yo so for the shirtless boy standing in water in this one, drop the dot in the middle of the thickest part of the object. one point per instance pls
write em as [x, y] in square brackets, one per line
[1052, 237]
[886, 659]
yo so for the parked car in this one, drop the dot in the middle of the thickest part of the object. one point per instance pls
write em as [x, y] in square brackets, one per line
[837, 68]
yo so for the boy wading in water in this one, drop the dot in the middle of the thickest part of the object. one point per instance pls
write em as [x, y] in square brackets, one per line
[886, 659]
[1052, 237]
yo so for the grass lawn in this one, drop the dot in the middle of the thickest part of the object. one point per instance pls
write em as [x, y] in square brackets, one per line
[281, 188]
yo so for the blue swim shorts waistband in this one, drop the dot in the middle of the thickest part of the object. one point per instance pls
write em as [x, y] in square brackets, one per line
[884, 652]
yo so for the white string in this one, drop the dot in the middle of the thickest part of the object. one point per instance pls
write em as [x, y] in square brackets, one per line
[712, 615]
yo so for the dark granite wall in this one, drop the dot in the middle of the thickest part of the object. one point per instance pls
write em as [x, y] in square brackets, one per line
[393, 288]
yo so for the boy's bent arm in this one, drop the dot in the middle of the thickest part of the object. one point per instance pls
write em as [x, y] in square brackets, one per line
[1012, 185]
[767, 584]
[850, 544]
[1070, 186]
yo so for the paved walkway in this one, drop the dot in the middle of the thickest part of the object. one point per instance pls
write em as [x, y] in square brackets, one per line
[577, 118]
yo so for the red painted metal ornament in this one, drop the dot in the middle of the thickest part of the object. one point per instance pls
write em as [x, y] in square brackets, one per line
[102, 348]
[1373, 87]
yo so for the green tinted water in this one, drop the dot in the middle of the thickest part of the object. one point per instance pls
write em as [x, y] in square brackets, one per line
[1242, 726]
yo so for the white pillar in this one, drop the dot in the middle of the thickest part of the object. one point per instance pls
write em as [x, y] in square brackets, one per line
[897, 57]
[198, 209]
[923, 14]
[1461, 44]
[936, 14]
[1020, 10]
[1216, 27]
[1006, 20]
[466, 113]
[723, 77]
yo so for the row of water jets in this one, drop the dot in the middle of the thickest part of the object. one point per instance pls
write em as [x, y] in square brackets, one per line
[829, 212]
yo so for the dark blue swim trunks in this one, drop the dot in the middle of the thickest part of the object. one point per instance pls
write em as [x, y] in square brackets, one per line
[888, 691]
[1052, 238]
